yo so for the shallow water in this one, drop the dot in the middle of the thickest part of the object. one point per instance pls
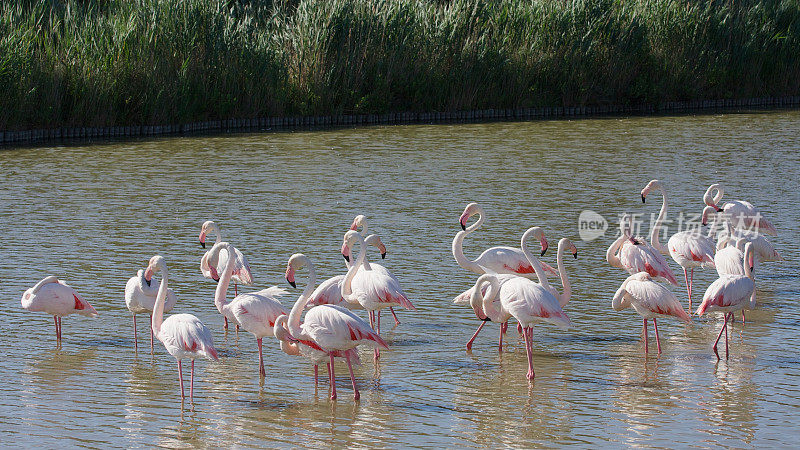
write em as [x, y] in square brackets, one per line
[94, 214]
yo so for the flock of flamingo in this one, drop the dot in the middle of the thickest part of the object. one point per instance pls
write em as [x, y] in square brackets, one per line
[512, 283]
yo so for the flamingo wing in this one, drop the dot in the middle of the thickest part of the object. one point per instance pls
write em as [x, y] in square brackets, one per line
[743, 214]
[647, 296]
[329, 292]
[56, 298]
[380, 288]
[728, 292]
[333, 327]
[644, 258]
[530, 302]
[184, 335]
[257, 311]
[511, 260]
[692, 247]
[241, 269]
[728, 261]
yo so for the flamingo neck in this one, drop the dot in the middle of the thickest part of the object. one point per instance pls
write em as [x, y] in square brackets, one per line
[486, 302]
[293, 322]
[217, 233]
[46, 280]
[619, 302]
[713, 227]
[347, 288]
[221, 293]
[537, 266]
[458, 246]
[563, 298]
[656, 231]
[158, 307]
[611, 253]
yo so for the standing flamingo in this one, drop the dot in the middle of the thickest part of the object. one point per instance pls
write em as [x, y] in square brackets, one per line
[495, 259]
[730, 293]
[256, 312]
[183, 335]
[57, 298]
[742, 214]
[634, 254]
[375, 289]
[650, 300]
[140, 297]
[211, 262]
[328, 328]
[689, 249]
[763, 249]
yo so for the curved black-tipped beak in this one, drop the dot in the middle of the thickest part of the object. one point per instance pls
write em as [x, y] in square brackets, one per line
[383, 255]
[543, 252]
[575, 255]
[486, 320]
[346, 258]
[292, 283]
[203, 244]
[147, 281]
[643, 200]
[752, 268]
[463, 227]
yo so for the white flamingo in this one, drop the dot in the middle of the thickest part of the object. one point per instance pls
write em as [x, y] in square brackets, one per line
[140, 297]
[689, 249]
[183, 335]
[328, 328]
[58, 299]
[763, 249]
[256, 312]
[651, 300]
[731, 293]
[742, 214]
[634, 254]
[375, 289]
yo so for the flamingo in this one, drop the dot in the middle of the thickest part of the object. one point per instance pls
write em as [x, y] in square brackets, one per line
[211, 262]
[57, 298]
[635, 255]
[183, 335]
[495, 259]
[729, 259]
[256, 312]
[360, 221]
[328, 328]
[763, 250]
[292, 346]
[730, 293]
[140, 296]
[651, 300]
[527, 301]
[744, 214]
[689, 249]
[373, 288]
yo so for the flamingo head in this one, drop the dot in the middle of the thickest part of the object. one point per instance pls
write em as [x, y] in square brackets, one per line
[375, 240]
[713, 196]
[707, 211]
[282, 330]
[469, 211]
[206, 228]
[358, 222]
[567, 244]
[538, 233]
[654, 184]
[156, 264]
[296, 261]
[349, 240]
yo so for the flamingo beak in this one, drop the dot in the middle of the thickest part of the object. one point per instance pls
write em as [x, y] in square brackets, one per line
[147, 281]
[643, 199]
[203, 239]
[382, 248]
[290, 276]
[545, 246]
[574, 252]
[346, 252]
[463, 220]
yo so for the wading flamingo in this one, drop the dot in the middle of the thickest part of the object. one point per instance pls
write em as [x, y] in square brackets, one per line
[360, 221]
[689, 249]
[635, 255]
[373, 288]
[58, 299]
[730, 293]
[292, 346]
[650, 300]
[328, 328]
[140, 297]
[210, 265]
[763, 250]
[256, 311]
[183, 335]
[494, 259]
[742, 214]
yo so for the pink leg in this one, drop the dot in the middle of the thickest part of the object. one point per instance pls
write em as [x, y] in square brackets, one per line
[726, 334]
[333, 379]
[261, 370]
[356, 394]
[226, 323]
[519, 328]
[58, 333]
[691, 284]
[59, 328]
[191, 383]
[503, 327]
[528, 333]
[316, 375]
[396, 320]
[742, 317]
[235, 290]
[688, 289]
[644, 331]
[472, 339]
[180, 377]
[722, 330]
[135, 338]
[377, 330]
[658, 340]
[151, 334]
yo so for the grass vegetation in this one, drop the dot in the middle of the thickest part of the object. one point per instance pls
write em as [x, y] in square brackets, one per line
[131, 62]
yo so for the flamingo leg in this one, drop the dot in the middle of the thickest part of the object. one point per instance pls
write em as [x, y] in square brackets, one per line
[59, 328]
[151, 334]
[691, 284]
[180, 377]
[742, 317]
[58, 333]
[333, 378]
[644, 331]
[519, 328]
[235, 290]
[135, 338]
[472, 339]
[191, 383]
[720, 335]
[261, 370]
[503, 329]
[226, 323]
[316, 376]
[726, 334]
[528, 350]
[688, 289]
[396, 320]
[658, 340]
[377, 330]
[356, 394]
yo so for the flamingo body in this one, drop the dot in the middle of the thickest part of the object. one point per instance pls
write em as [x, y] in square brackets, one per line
[648, 298]
[213, 261]
[185, 337]
[729, 293]
[56, 298]
[643, 257]
[530, 302]
[140, 298]
[257, 311]
[691, 250]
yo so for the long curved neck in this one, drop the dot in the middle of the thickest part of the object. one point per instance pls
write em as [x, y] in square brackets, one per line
[458, 247]
[537, 266]
[297, 310]
[656, 231]
[218, 233]
[221, 294]
[713, 227]
[611, 253]
[563, 298]
[47, 280]
[158, 307]
[347, 288]
[487, 302]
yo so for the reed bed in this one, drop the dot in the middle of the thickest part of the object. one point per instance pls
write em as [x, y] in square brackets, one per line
[142, 62]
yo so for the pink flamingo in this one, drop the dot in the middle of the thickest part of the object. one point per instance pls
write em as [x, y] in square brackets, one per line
[183, 335]
[495, 259]
[650, 300]
[635, 255]
[689, 249]
[763, 249]
[730, 293]
[140, 297]
[328, 328]
[58, 299]
[373, 288]
[256, 312]
[743, 214]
